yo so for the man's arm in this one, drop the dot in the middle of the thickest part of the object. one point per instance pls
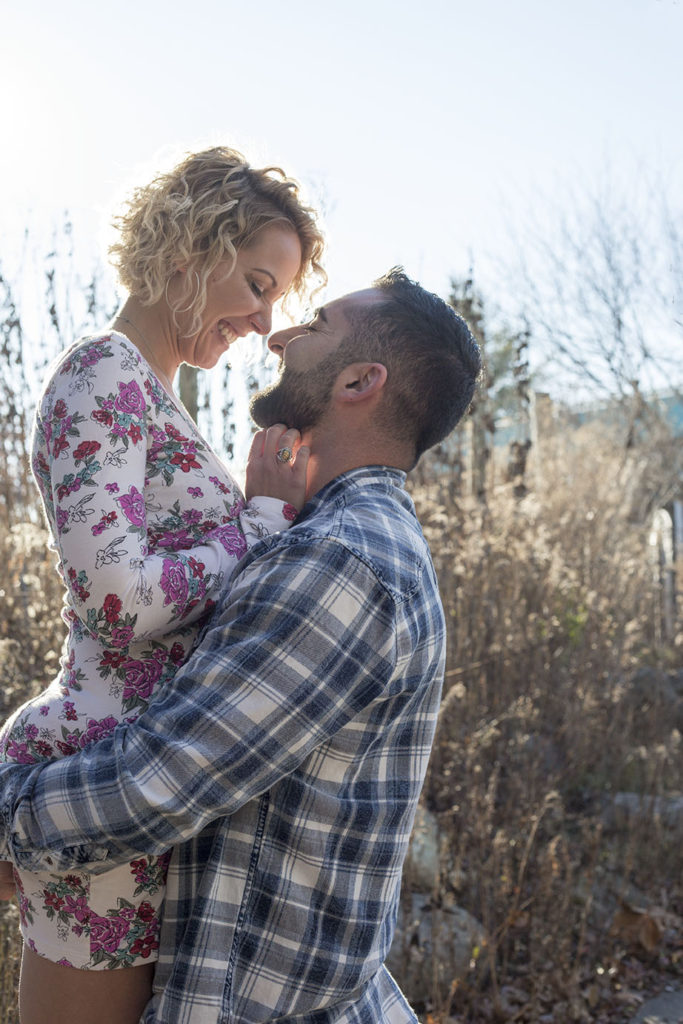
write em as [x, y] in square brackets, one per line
[305, 641]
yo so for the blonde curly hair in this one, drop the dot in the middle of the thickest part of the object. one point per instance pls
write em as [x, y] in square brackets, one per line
[200, 213]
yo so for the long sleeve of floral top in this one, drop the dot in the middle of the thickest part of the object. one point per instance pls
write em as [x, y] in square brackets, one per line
[148, 526]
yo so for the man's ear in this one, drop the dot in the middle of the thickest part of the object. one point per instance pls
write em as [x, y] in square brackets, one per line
[359, 381]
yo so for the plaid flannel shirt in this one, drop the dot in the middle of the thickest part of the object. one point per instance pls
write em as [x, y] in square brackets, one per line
[283, 762]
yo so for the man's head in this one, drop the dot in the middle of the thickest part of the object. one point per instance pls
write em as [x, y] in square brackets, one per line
[395, 345]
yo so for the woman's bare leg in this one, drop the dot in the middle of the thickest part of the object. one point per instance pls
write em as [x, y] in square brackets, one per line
[51, 994]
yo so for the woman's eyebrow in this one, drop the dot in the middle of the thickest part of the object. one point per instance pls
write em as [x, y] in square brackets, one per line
[261, 270]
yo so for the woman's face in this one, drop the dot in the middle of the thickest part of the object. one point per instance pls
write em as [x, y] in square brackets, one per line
[240, 299]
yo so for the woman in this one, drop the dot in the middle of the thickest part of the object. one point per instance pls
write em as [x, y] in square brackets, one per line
[148, 525]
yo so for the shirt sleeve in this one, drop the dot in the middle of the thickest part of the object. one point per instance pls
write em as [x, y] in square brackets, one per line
[305, 641]
[97, 434]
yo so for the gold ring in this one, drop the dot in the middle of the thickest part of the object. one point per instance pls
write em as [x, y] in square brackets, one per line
[284, 454]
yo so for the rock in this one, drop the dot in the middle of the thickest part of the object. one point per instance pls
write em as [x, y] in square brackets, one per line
[433, 946]
[421, 868]
[627, 808]
[666, 1008]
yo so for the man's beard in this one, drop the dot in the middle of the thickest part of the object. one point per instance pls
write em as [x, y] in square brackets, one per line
[299, 399]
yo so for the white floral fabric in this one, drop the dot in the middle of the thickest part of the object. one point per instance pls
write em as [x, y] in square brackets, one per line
[148, 526]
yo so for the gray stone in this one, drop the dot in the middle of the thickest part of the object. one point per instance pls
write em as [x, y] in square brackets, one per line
[421, 868]
[433, 947]
[627, 808]
[666, 1008]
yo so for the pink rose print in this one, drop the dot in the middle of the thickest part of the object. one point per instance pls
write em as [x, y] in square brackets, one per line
[134, 433]
[195, 492]
[192, 516]
[111, 607]
[60, 409]
[177, 653]
[121, 636]
[66, 748]
[141, 677]
[174, 540]
[19, 753]
[60, 445]
[111, 659]
[237, 506]
[78, 908]
[174, 433]
[133, 506]
[174, 583]
[131, 398]
[197, 567]
[102, 416]
[146, 911]
[97, 730]
[64, 490]
[52, 900]
[146, 945]
[85, 449]
[70, 712]
[107, 932]
[232, 539]
[107, 520]
[186, 461]
[112, 488]
[139, 871]
[289, 512]
[91, 356]
[218, 485]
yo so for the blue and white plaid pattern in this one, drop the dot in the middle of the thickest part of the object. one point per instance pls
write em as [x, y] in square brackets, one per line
[284, 763]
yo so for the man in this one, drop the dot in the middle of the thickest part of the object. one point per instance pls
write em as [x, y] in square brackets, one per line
[284, 761]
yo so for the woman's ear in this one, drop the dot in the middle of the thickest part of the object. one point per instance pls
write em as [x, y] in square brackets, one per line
[359, 381]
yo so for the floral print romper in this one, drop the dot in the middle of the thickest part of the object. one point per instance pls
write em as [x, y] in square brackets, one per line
[148, 526]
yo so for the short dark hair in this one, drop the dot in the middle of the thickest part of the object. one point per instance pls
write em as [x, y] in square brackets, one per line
[432, 359]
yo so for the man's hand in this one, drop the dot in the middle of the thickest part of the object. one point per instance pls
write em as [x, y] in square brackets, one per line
[270, 477]
[8, 889]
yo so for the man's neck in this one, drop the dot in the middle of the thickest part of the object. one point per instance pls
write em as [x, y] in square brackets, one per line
[330, 457]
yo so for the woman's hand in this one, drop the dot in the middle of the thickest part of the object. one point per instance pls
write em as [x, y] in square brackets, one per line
[8, 889]
[268, 476]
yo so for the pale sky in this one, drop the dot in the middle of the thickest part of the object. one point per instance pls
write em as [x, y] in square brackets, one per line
[414, 123]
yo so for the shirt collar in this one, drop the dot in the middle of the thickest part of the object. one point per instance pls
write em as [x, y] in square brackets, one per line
[386, 478]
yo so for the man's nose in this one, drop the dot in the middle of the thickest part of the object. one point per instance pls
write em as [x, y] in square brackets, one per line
[277, 343]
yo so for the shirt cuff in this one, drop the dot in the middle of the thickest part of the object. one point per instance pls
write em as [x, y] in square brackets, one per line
[16, 845]
[271, 515]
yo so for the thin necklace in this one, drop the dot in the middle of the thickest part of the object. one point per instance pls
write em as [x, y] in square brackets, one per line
[150, 348]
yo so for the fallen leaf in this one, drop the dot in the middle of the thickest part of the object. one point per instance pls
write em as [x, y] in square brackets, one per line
[637, 927]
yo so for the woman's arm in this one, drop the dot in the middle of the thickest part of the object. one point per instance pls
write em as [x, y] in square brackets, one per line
[101, 416]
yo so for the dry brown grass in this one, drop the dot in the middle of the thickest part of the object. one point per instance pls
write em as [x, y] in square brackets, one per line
[31, 635]
[552, 610]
